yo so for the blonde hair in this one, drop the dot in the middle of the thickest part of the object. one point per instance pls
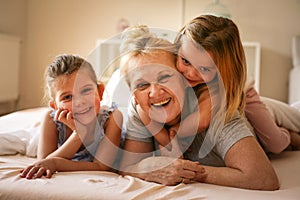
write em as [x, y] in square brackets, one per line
[65, 64]
[138, 41]
[220, 36]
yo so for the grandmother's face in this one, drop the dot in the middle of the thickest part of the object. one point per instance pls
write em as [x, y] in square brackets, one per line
[158, 87]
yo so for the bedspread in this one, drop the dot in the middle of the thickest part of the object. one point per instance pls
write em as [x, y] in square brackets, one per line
[107, 185]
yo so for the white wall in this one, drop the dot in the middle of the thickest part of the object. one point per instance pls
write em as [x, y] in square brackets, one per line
[51, 27]
[273, 23]
[13, 22]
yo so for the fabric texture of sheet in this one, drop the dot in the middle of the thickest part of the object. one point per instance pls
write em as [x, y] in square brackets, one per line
[107, 185]
[19, 132]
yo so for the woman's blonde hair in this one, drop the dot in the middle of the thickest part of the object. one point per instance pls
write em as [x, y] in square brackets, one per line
[138, 41]
[220, 37]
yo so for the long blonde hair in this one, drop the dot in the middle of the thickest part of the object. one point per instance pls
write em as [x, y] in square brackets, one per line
[220, 36]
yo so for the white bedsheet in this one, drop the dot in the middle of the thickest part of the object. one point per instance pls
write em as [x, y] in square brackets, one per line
[19, 131]
[106, 185]
[24, 125]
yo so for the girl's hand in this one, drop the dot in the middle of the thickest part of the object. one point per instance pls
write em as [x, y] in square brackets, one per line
[150, 124]
[175, 147]
[45, 167]
[66, 117]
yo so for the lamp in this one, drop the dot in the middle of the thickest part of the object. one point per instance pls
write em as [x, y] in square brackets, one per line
[218, 9]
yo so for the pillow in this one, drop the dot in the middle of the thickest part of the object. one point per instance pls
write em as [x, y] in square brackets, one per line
[19, 131]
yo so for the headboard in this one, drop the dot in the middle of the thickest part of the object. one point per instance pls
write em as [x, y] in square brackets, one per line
[105, 56]
[252, 54]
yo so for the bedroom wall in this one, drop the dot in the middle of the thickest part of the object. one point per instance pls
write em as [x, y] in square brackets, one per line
[73, 26]
[13, 18]
[51, 27]
[273, 23]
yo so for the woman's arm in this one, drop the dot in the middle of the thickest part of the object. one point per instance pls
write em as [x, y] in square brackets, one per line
[138, 161]
[247, 166]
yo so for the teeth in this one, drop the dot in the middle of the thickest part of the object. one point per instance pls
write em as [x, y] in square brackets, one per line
[162, 102]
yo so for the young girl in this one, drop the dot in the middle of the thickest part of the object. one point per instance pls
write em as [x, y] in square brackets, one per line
[208, 33]
[219, 37]
[76, 129]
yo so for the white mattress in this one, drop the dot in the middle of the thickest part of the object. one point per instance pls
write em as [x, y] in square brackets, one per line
[106, 185]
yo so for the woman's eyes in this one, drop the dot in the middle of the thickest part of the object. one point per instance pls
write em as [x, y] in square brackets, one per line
[164, 78]
[142, 86]
[160, 80]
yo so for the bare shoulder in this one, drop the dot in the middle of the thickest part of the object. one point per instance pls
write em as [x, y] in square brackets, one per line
[115, 119]
[47, 117]
[117, 115]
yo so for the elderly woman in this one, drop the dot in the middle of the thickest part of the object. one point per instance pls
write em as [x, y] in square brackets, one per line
[160, 92]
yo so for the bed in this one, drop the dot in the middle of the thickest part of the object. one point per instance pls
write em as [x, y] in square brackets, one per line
[18, 142]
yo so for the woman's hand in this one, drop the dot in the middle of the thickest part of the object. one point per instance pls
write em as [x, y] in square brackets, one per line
[45, 167]
[177, 171]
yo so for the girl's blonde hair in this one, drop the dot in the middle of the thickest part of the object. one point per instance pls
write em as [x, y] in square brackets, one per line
[138, 41]
[65, 64]
[220, 36]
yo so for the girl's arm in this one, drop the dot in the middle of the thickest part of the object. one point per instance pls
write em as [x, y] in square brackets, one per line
[158, 131]
[74, 141]
[68, 149]
[103, 159]
[47, 167]
[48, 138]
[196, 122]
[247, 166]
[110, 144]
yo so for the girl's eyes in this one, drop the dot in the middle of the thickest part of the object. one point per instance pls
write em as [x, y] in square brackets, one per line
[201, 69]
[204, 69]
[67, 97]
[185, 61]
[86, 90]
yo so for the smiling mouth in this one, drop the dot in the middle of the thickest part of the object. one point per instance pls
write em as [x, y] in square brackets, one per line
[162, 103]
[83, 111]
